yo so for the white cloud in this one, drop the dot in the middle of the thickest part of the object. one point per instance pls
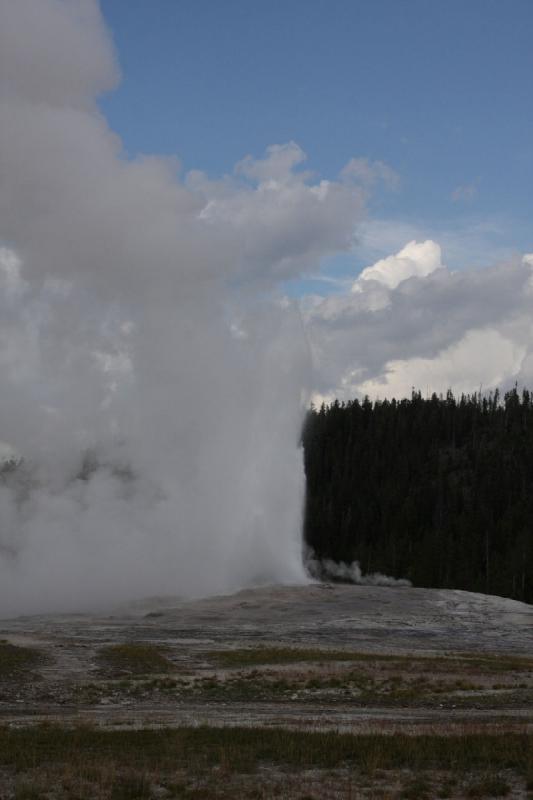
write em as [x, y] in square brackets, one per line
[416, 259]
[279, 220]
[55, 52]
[10, 280]
[276, 167]
[481, 359]
[471, 242]
[434, 329]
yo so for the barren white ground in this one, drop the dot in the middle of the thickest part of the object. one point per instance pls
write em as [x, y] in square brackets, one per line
[362, 619]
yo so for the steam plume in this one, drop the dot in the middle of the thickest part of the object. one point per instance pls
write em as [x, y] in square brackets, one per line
[343, 572]
[152, 376]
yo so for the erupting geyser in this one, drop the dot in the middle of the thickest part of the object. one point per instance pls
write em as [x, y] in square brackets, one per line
[152, 374]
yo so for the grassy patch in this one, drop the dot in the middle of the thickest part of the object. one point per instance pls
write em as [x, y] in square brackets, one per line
[252, 763]
[246, 748]
[255, 656]
[134, 659]
[131, 787]
[446, 788]
[16, 662]
[417, 788]
[362, 685]
[492, 663]
[488, 786]
[28, 791]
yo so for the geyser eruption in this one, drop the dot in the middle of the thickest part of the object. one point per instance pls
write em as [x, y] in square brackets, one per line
[152, 373]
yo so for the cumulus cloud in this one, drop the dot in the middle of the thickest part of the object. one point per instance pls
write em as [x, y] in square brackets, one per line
[281, 220]
[409, 321]
[416, 259]
[470, 241]
[55, 55]
[481, 359]
[151, 376]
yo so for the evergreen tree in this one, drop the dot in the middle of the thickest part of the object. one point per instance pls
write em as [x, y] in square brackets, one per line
[436, 490]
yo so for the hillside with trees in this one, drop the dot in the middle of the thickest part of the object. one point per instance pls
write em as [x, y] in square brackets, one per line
[438, 491]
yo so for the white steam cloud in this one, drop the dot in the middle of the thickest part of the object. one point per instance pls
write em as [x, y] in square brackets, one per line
[151, 376]
[343, 572]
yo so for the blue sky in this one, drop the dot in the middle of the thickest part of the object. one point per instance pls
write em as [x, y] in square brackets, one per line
[440, 91]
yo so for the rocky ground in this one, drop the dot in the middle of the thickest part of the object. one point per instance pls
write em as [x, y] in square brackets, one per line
[354, 659]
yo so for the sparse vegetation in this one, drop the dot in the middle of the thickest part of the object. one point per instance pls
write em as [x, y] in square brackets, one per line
[16, 661]
[28, 791]
[252, 656]
[416, 788]
[134, 659]
[446, 788]
[285, 674]
[177, 676]
[137, 765]
[488, 786]
[245, 748]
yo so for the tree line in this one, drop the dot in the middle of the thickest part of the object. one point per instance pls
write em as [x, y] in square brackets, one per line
[437, 490]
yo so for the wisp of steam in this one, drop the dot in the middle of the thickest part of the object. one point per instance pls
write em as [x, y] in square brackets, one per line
[343, 572]
[153, 374]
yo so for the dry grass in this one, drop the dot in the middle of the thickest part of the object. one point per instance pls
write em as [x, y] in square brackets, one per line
[275, 673]
[283, 674]
[134, 659]
[17, 662]
[209, 763]
[488, 786]
[246, 748]
[256, 656]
